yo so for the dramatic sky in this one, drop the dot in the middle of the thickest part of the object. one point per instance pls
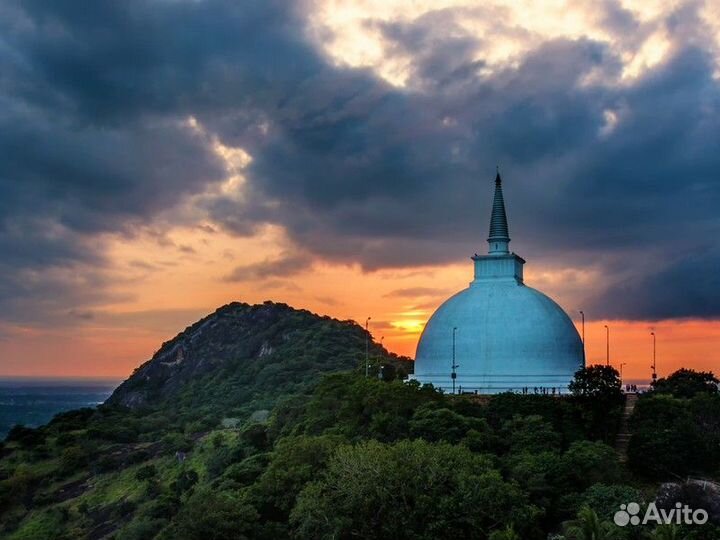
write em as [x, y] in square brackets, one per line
[161, 158]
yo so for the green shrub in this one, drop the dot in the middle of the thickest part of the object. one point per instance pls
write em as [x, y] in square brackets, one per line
[142, 529]
[146, 472]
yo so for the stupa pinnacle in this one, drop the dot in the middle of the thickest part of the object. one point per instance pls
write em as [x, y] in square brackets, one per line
[508, 337]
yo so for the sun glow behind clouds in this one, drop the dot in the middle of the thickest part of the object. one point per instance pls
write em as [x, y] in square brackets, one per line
[504, 30]
[350, 31]
[651, 53]
[235, 160]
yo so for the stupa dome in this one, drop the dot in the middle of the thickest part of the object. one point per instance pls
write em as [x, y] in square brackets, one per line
[502, 334]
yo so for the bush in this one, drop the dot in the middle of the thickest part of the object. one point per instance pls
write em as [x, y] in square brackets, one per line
[185, 481]
[434, 423]
[106, 464]
[138, 457]
[177, 442]
[124, 508]
[248, 470]
[142, 529]
[586, 463]
[72, 459]
[146, 472]
[25, 437]
[605, 499]
[530, 434]
[254, 437]
[161, 507]
[215, 515]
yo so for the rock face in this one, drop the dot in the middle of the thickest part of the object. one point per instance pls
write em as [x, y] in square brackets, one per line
[697, 494]
[245, 350]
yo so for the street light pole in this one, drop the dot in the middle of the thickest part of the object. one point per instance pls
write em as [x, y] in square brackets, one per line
[654, 368]
[454, 365]
[607, 345]
[367, 348]
[582, 314]
[621, 371]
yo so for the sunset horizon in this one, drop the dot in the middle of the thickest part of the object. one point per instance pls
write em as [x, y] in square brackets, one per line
[341, 160]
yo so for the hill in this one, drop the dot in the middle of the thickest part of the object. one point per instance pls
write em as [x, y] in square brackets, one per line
[243, 356]
[76, 476]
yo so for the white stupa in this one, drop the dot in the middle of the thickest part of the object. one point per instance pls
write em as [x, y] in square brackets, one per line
[504, 335]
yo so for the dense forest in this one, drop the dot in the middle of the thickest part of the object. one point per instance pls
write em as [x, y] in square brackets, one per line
[258, 422]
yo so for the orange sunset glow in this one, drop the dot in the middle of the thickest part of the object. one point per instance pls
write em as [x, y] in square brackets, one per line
[162, 289]
[341, 161]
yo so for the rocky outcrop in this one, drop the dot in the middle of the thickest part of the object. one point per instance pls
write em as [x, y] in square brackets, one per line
[696, 493]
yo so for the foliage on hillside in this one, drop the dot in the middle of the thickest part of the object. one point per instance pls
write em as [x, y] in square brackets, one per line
[340, 456]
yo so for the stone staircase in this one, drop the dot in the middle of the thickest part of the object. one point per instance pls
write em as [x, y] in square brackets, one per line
[623, 436]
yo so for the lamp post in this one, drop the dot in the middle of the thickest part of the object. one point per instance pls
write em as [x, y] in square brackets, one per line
[582, 314]
[654, 368]
[621, 371]
[454, 365]
[607, 345]
[367, 347]
[381, 367]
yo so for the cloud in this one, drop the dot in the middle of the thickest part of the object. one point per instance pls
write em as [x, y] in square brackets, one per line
[288, 264]
[327, 300]
[272, 284]
[166, 321]
[96, 103]
[415, 292]
[687, 287]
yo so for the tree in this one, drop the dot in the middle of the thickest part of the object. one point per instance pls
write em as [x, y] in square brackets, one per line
[605, 499]
[597, 391]
[25, 436]
[664, 453]
[211, 515]
[435, 423]
[666, 532]
[141, 529]
[675, 437]
[598, 382]
[586, 463]
[588, 526]
[410, 489]
[687, 383]
[508, 533]
[539, 474]
[295, 462]
[357, 406]
[530, 434]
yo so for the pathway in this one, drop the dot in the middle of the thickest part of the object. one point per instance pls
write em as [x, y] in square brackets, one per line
[623, 436]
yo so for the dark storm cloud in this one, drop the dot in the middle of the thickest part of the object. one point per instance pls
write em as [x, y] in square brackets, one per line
[685, 287]
[94, 133]
[288, 264]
